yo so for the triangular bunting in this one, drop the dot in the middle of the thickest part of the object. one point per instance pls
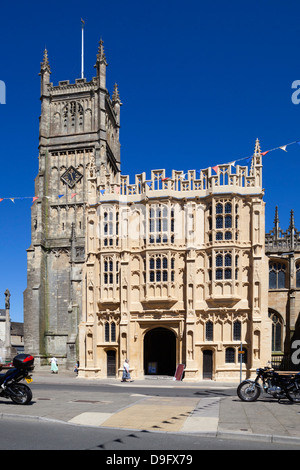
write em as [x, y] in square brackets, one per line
[283, 148]
[34, 198]
[265, 153]
[215, 168]
[102, 191]
[73, 195]
[60, 195]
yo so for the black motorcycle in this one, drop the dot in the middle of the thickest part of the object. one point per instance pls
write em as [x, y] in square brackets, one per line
[272, 383]
[10, 386]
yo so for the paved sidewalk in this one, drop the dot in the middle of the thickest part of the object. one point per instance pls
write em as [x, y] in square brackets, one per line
[203, 414]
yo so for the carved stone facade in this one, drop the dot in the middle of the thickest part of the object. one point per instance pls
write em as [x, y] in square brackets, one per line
[283, 251]
[79, 135]
[176, 272]
[162, 271]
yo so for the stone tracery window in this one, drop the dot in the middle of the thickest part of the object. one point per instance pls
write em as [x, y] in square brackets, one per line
[106, 331]
[209, 331]
[298, 274]
[223, 266]
[110, 332]
[277, 331]
[161, 223]
[237, 330]
[110, 227]
[73, 116]
[224, 220]
[110, 270]
[277, 275]
[161, 268]
[230, 355]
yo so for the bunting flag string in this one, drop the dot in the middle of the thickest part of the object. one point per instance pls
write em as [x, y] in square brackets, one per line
[12, 199]
[149, 183]
[216, 167]
[249, 159]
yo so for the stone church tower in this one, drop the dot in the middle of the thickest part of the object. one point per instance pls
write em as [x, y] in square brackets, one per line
[78, 139]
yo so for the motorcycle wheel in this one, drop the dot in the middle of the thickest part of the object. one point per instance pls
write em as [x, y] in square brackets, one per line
[247, 391]
[23, 394]
[294, 395]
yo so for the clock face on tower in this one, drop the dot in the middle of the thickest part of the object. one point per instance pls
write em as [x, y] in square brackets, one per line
[71, 176]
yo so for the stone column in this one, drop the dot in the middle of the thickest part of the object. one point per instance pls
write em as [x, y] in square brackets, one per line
[8, 350]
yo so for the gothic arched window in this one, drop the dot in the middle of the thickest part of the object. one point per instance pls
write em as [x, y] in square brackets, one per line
[106, 331]
[73, 116]
[113, 332]
[237, 330]
[110, 270]
[224, 219]
[223, 266]
[209, 331]
[161, 269]
[277, 331]
[277, 275]
[230, 355]
[298, 274]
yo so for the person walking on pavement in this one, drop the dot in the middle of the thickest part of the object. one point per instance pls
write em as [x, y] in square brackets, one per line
[126, 374]
[54, 366]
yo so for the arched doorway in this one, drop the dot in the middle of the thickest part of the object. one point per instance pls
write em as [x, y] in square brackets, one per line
[207, 364]
[160, 352]
[111, 363]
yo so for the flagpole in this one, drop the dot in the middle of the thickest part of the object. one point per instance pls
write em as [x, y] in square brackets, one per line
[82, 49]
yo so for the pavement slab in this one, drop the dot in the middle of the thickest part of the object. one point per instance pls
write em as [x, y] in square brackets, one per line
[211, 411]
[154, 413]
[265, 416]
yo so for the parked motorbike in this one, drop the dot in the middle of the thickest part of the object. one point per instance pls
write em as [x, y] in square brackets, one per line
[10, 386]
[272, 383]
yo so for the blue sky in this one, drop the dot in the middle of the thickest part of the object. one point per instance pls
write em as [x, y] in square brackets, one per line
[199, 82]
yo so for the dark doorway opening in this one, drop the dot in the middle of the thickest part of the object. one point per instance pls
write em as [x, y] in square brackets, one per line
[111, 363]
[207, 364]
[160, 352]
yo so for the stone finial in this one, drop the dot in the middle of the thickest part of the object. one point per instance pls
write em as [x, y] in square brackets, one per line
[115, 95]
[292, 231]
[276, 223]
[276, 220]
[45, 66]
[257, 150]
[292, 220]
[7, 299]
[101, 54]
